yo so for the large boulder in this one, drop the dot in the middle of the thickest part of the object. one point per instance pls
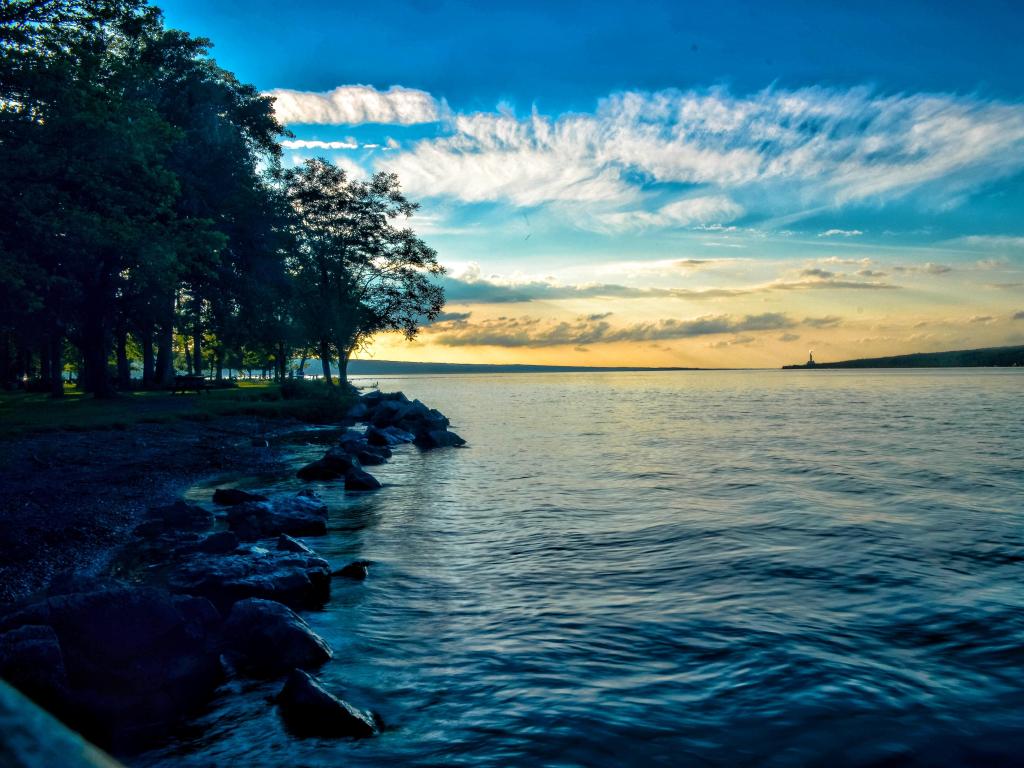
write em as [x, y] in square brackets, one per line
[286, 543]
[300, 515]
[228, 497]
[293, 578]
[388, 436]
[264, 638]
[439, 438]
[336, 463]
[137, 659]
[358, 412]
[358, 480]
[309, 710]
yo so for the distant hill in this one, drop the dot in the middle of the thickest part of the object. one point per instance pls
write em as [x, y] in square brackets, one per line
[963, 358]
[395, 367]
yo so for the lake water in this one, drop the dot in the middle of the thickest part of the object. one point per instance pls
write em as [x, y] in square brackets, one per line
[681, 568]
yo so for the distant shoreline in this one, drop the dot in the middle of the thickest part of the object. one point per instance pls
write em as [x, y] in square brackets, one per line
[988, 357]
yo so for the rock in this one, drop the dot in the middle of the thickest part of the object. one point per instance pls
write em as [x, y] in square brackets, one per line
[228, 497]
[265, 638]
[386, 413]
[335, 463]
[177, 517]
[358, 412]
[295, 515]
[295, 579]
[286, 543]
[373, 455]
[358, 480]
[218, 543]
[31, 660]
[357, 570]
[439, 438]
[309, 710]
[352, 440]
[214, 544]
[137, 659]
[388, 436]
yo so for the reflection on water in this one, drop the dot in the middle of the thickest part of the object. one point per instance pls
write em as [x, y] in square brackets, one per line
[734, 568]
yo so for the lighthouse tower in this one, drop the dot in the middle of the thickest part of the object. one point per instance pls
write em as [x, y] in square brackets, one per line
[810, 359]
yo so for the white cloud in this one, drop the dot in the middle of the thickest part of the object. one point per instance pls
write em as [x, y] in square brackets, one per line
[840, 233]
[784, 151]
[711, 209]
[301, 144]
[356, 104]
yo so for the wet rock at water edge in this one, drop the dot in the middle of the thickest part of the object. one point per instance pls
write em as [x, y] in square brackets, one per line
[309, 710]
[286, 543]
[228, 497]
[335, 463]
[358, 480]
[217, 543]
[357, 570]
[439, 438]
[388, 436]
[137, 659]
[264, 638]
[299, 515]
[295, 579]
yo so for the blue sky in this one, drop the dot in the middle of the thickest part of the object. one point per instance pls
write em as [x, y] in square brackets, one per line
[673, 183]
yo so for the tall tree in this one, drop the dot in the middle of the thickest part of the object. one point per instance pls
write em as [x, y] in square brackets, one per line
[366, 274]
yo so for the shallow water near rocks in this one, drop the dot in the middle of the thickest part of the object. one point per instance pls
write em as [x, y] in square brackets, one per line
[680, 568]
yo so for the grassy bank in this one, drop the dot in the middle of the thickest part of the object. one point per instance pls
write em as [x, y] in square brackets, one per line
[23, 413]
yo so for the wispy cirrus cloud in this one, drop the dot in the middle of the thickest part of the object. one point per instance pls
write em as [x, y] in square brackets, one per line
[807, 149]
[355, 105]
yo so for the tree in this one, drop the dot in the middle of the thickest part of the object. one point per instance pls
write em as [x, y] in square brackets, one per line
[363, 274]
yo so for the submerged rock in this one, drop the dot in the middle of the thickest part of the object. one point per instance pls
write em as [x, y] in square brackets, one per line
[137, 659]
[228, 497]
[295, 579]
[309, 710]
[299, 515]
[439, 438]
[357, 570]
[265, 638]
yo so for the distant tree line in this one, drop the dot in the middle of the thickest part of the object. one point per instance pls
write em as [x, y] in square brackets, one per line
[145, 216]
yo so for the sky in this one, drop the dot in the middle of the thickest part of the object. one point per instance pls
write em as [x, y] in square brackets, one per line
[725, 184]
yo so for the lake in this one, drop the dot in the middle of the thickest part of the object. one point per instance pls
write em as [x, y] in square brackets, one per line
[674, 568]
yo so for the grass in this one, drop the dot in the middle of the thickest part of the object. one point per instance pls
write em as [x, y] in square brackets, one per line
[22, 412]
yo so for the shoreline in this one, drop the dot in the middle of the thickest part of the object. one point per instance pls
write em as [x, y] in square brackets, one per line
[72, 498]
[141, 604]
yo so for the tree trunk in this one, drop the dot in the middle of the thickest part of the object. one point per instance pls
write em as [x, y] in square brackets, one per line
[197, 345]
[301, 373]
[44, 363]
[343, 357]
[95, 354]
[56, 365]
[325, 361]
[165, 356]
[218, 359]
[148, 374]
[282, 362]
[124, 368]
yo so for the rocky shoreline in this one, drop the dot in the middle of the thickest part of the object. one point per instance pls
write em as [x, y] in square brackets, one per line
[125, 661]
